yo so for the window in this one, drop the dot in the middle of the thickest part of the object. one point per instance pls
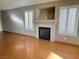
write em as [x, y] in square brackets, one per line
[72, 20]
[29, 16]
[68, 21]
[63, 20]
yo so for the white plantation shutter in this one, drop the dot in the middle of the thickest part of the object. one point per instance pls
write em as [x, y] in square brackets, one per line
[29, 16]
[68, 22]
[63, 20]
[72, 20]
[26, 20]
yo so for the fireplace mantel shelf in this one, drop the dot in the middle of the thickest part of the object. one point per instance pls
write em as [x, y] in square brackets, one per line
[45, 21]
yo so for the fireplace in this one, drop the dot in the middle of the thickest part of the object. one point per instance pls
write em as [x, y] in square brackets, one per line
[44, 33]
[45, 30]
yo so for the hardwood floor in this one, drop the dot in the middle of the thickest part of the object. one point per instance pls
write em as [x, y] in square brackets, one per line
[14, 46]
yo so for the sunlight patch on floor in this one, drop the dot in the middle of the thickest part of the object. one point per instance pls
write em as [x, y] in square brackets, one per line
[54, 56]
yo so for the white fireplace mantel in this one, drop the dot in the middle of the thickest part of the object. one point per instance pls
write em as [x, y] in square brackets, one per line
[46, 23]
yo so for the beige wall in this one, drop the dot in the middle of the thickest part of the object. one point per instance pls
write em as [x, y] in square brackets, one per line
[16, 27]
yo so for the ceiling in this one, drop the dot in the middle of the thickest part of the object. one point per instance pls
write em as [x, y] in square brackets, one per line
[9, 4]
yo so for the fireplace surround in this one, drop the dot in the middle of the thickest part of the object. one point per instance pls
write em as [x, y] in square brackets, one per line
[45, 24]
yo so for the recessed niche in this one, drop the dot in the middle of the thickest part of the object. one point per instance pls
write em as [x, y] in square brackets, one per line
[47, 13]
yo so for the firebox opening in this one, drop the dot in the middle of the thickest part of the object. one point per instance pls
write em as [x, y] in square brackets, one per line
[44, 33]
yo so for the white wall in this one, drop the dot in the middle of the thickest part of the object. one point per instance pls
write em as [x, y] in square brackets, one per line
[0, 23]
[14, 21]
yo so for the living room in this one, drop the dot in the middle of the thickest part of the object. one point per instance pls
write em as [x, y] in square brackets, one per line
[34, 29]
